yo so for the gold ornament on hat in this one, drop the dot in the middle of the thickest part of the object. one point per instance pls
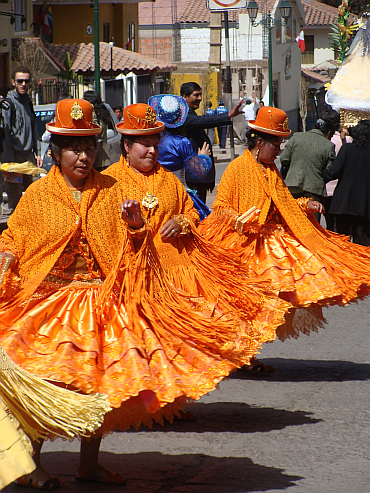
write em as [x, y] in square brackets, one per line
[76, 112]
[350, 118]
[284, 124]
[150, 117]
[150, 120]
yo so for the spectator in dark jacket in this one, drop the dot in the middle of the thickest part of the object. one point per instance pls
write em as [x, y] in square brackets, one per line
[351, 199]
[21, 138]
[304, 159]
[194, 131]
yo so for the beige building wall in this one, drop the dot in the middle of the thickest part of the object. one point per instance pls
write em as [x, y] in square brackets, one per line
[73, 23]
[8, 32]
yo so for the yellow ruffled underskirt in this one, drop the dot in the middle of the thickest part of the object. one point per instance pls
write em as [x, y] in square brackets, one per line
[15, 449]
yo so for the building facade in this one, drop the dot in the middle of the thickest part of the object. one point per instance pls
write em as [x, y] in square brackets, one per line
[16, 19]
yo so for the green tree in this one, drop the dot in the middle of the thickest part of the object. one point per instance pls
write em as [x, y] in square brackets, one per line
[343, 31]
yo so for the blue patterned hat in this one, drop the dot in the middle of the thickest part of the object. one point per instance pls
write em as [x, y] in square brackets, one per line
[171, 110]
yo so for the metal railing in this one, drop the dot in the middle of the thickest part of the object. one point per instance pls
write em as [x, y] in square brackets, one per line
[50, 90]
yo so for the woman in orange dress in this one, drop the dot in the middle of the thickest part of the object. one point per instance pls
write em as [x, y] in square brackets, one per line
[184, 259]
[277, 237]
[91, 303]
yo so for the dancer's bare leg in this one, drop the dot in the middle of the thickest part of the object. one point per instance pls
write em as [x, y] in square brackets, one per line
[90, 469]
[39, 476]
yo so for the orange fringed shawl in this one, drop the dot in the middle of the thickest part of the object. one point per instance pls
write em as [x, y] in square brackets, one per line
[172, 200]
[192, 265]
[344, 267]
[39, 239]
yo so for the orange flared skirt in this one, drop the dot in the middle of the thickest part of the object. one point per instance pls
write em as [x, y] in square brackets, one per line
[147, 373]
[295, 273]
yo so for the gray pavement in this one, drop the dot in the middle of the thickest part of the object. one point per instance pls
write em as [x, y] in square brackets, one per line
[304, 429]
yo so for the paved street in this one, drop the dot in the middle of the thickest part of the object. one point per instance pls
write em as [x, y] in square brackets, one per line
[305, 429]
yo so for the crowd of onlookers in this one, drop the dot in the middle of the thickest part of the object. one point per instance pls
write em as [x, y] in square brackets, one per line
[328, 163]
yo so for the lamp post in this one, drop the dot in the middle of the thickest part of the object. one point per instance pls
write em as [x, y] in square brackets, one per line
[96, 46]
[111, 44]
[268, 22]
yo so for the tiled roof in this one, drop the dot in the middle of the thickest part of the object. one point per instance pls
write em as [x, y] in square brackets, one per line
[162, 11]
[316, 76]
[317, 13]
[195, 12]
[124, 61]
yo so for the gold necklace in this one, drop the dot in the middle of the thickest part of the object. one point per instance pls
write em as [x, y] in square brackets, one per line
[150, 201]
[263, 169]
[76, 194]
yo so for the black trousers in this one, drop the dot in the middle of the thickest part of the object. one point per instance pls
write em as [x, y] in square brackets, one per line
[355, 226]
[201, 189]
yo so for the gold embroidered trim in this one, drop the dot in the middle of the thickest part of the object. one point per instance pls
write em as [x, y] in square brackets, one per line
[284, 125]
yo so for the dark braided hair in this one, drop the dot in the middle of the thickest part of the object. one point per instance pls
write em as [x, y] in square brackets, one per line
[101, 111]
[253, 135]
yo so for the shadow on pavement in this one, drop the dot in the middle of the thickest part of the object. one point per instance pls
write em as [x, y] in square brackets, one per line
[300, 370]
[235, 417]
[148, 472]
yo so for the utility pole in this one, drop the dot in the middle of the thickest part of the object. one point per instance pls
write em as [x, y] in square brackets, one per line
[228, 82]
[96, 46]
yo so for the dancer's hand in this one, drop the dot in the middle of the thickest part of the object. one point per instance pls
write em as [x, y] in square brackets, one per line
[314, 206]
[170, 229]
[131, 213]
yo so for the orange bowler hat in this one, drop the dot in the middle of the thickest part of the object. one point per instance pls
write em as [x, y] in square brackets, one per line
[139, 119]
[73, 117]
[272, 121]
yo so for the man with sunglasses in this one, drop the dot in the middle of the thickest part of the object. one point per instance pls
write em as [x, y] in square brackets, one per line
[21, 139]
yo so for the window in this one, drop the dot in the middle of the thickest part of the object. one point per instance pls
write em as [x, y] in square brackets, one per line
[20, 8]
[130, 45]
[308, 56]
[106, 32]
[285, 32]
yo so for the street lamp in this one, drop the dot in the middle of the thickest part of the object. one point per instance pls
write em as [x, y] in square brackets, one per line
[268, 22]
[111, 44]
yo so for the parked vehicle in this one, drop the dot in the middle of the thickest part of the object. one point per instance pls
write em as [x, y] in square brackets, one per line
[45, 113]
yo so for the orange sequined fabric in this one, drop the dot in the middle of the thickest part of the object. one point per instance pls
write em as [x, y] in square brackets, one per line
[306, 264]
[170, 319]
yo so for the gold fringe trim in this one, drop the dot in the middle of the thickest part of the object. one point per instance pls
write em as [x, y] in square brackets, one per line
[43, 409]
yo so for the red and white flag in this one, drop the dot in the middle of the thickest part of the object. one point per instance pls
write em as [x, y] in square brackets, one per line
[300, 41]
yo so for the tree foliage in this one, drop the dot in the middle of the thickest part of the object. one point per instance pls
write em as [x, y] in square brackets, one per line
[343, 31]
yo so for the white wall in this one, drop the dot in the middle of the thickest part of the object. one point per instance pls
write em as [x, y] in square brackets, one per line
[195, 44]
[322, 52]
[286, 67]
[245, 43]
[250, 39]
